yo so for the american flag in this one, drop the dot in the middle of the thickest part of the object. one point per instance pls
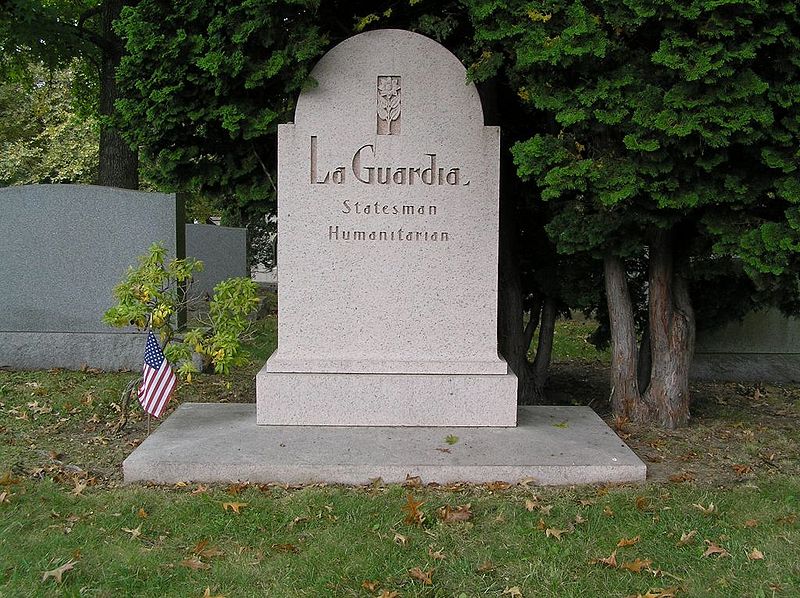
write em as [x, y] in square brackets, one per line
[159, 380]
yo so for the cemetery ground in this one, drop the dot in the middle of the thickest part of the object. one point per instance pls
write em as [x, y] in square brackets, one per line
[718, 516]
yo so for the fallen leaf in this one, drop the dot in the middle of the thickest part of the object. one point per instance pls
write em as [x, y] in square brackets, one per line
[413, 481]
[436, 555]
[288, 548]
[233, 506]
[636, 565]
[236, 489]
[195, 564]
[709, 510]
[541, 525]
[714, 549]
[789, 519]
[579, 519]
[369, 585]
[200, 489]
[141, 513]
[203, 550]
[657, 593]
[79, 487]
[545, 509]
[514, 592]
[485, 567]
[687, 538]
[742, 468]
[135, 533]
[423, 576]
[609, 561]
[685, 476]
[751, 523]
[628, 542]
[642, 504]
[497, 485]
[7, 479]
[388, 594]
[4, 497]
[552, 532]
[531, 505]
[452, 515]
[608, 511]
[413, 514]
[586, 502]
[526, 482]
[755, 555]
[58, 572]
[400, 539]
[207, 594]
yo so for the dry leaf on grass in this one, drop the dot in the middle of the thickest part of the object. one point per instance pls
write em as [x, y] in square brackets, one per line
[628, 541]
[526, 482]
[485, 567]
[58, 572]
[642, 504]
[608, 511]
[233, 506]
[709, 510]
[203, 550]
[207, 594]
[531, 505]
[755, 555]
[713, 549]
[423, 576]
[460, 513]
[636, 565]
[514, 592]
[413, 514]
[289, 548]
[657, 593]
[369, 585]
[400, 539]
[195, 564]
[552, 532]
[135, 532]
[4, 497]
[436, 555]
[389, 594]
[687, 538]
[609, 561]
[141, 513]
[413, 481]
[579, 519]
[751, 523]
[79, 487]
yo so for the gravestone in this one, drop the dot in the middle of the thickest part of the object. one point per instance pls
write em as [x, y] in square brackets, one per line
[223, 251]
[388, 246]
[763, 347]
[63, 248]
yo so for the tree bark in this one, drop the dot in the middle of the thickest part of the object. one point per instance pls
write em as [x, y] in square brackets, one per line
[672, 331]
[644, 362]
[625, 398]
[119, 164]
[544, 349]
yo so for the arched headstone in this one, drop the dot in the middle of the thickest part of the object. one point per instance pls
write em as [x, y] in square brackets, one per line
[388, 246]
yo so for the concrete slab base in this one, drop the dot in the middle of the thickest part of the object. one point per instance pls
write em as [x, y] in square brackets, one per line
[385, 399]
[204, 442]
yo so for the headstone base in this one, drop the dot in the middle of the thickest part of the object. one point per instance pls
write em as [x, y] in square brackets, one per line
[346, 399]
[204, 442]
[108, 351]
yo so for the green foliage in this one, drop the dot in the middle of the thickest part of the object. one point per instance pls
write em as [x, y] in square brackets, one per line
[156, 292]
[649, 115]
[44, 136]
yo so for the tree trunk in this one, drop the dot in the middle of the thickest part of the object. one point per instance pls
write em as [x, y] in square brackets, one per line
[625, 399]
[672, 331]
[544, 349]
[644, 362]
[119, 164]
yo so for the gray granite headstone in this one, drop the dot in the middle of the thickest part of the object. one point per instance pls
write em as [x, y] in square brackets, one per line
[223, 251]
[388, 200]
[764, 346]
[62, 250]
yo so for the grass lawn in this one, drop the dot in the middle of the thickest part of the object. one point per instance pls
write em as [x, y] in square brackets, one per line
[718, 516]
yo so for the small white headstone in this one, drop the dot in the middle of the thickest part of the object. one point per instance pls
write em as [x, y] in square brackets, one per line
[388, 246]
